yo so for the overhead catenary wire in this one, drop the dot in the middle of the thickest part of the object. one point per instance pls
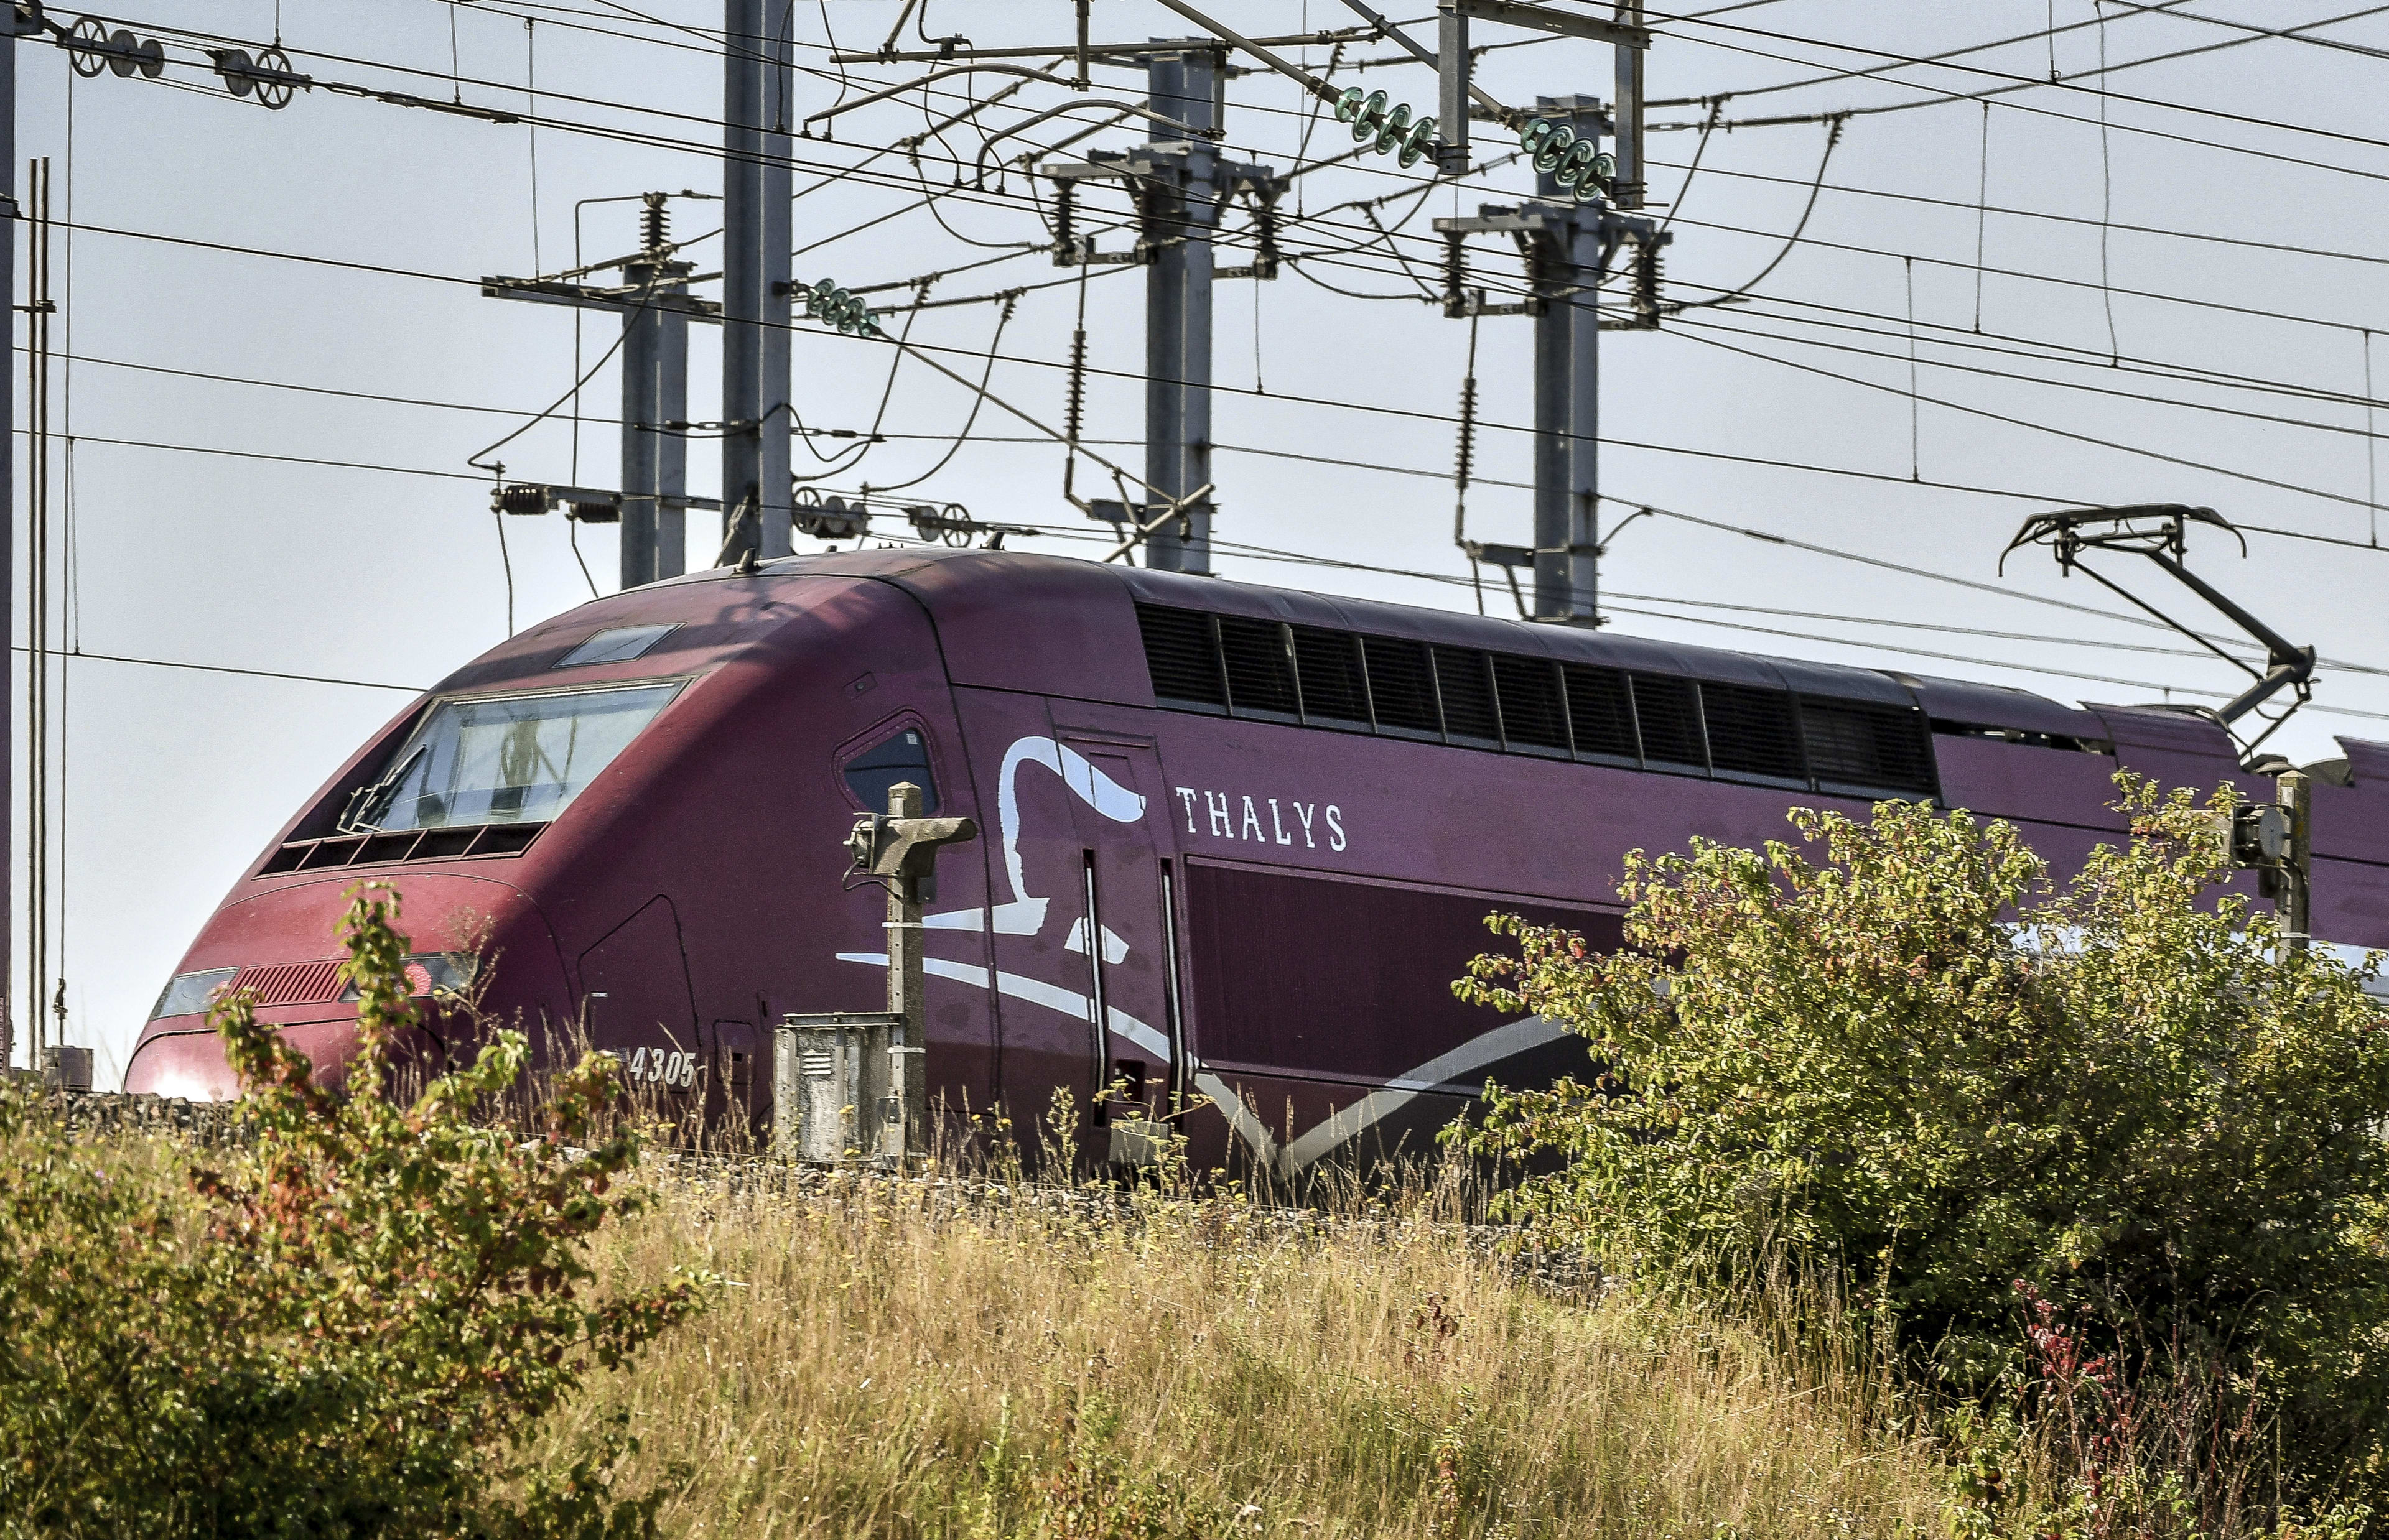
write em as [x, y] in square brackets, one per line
[1832, 137]
[713, 151]
[1979, 206]
[920, 348]
[978, 399]
[1924, 259]
[2014, 82]
[416, 274]
[2116, 392]
[705, 149]
[1988, 415]
[2050, 33]
[2217, 305]
[77, 655]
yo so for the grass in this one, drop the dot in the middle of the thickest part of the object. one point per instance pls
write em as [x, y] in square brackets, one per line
[943, 1357]
[887, 1360]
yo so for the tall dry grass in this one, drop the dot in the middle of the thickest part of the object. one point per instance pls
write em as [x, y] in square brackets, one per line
[889, 1359]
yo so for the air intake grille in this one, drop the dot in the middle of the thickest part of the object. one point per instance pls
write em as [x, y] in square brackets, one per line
[1260, 677]
[1752, 731]
[292, 983]
[1861, 744]
[1531, 713]
[1183, 657]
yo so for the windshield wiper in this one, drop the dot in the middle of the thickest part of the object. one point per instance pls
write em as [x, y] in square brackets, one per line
[369, 797]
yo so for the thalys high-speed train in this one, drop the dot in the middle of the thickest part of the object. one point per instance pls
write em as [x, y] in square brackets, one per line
[1236, 842]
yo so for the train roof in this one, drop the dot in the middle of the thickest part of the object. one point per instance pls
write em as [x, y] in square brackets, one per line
[1022, 620]
[981, 598]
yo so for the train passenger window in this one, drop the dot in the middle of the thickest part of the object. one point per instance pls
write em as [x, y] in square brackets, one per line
[1669, 711]
[1260, 674]
[1327, 664]
[1468, 714]
[1752, 731]
[1400, 688]
[1183, 655]
[1601, 713]
[1531, 714]
[903, 756]
[617, 645]
[503, 759]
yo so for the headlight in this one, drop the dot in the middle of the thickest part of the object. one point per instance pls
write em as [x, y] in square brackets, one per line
[434, 973]
[188, 994]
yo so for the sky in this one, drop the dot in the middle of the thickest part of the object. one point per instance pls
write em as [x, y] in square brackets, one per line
[1989, 312]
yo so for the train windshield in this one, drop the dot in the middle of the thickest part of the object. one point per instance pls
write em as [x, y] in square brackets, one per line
[504, 759]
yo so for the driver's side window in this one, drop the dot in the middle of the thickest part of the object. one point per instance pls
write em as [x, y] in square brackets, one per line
[903, 754]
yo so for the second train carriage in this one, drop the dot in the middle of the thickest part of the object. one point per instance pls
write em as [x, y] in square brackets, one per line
[1236, 840]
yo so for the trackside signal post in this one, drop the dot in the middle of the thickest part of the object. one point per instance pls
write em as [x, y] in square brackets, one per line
[847, 1083]
[2276, 839]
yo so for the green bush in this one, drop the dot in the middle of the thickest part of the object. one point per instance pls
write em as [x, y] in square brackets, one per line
[347, 1326]
[1919, 1059]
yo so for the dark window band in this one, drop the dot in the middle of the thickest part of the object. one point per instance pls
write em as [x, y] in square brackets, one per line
[1272, 671]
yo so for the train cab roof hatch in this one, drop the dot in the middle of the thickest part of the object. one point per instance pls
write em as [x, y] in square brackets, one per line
[2159, 531]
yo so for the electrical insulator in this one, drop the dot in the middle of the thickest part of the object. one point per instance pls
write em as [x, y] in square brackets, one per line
[595, 513]
[520, 498]
[1065, 241]
[1580, 166]
[1074, 404]
[654, 225]
[1467, 450]
[828, 302]
[1646, 282]
[1392, 126]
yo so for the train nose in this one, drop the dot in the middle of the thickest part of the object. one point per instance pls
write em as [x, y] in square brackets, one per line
[470, 933]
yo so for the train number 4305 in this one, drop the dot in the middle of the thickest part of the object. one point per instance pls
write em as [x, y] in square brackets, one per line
[676, 1070]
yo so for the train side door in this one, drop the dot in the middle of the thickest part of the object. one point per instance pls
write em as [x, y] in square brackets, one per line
[1127, 930]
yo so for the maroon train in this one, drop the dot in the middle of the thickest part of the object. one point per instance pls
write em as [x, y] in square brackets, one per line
[1236, 840]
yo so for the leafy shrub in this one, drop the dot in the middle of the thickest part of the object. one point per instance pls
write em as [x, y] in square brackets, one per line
[349, 1327]
[1920, 1059]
